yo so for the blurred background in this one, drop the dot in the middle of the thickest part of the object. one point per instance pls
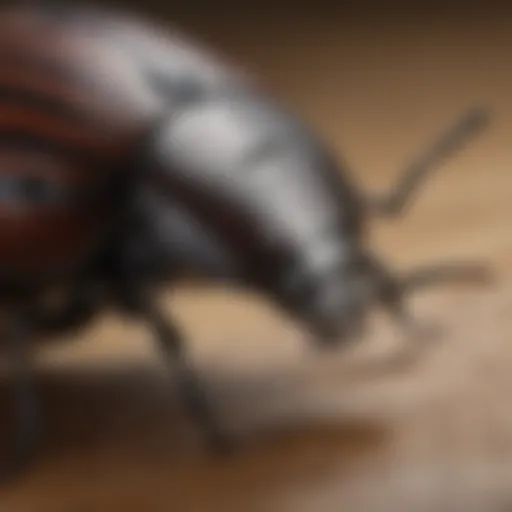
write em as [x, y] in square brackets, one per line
[346, 430]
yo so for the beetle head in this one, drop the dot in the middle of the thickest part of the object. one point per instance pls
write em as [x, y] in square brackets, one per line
[335, 302]
[335, 306]
[331, 295]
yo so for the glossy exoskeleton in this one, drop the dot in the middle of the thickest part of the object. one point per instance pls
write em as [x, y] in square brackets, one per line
[129, 154]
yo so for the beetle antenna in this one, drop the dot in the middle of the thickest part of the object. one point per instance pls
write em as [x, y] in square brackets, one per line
[456, 272]
[393, 289]
[419, 169]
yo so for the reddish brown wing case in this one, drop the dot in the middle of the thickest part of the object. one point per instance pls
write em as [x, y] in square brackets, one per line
[72, 112]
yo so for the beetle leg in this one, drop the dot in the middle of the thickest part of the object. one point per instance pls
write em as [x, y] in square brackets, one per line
[194, 396]
[171, 342]
[27, 415]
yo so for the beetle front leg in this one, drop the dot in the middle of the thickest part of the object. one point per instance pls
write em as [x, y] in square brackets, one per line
[27, 417]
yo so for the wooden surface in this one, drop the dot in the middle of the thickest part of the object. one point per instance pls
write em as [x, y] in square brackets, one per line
[342, 430]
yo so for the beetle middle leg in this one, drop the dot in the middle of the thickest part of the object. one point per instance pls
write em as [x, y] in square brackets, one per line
[27, 416]
[83, 306]
[172, 343]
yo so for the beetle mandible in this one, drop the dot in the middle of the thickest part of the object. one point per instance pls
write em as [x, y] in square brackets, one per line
[98, 106]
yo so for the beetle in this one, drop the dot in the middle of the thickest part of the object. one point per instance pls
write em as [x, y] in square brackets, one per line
[130, 154]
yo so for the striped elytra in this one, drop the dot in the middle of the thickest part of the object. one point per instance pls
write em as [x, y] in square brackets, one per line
[72, 113]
